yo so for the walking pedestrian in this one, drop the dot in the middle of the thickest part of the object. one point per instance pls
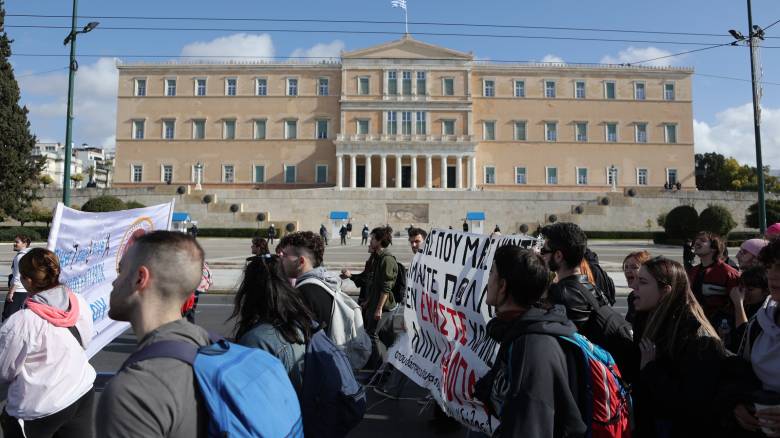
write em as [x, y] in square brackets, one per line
[343, 234]
[349, 229]
[301, 256]
[324, 234]
[16, 291]
[364, 235]
[271, 234]
[465, 227]
[44, 369]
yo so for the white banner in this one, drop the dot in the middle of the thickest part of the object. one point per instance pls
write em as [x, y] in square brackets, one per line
[446, 348]
[90, 245]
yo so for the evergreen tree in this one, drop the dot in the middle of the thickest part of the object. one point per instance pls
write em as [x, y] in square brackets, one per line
[19, 170]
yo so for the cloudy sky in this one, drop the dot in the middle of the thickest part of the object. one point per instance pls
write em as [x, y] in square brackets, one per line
[722, 93]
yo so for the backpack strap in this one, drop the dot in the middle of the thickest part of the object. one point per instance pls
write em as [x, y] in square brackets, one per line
[75, 332]
[318, 282]
[183, 351]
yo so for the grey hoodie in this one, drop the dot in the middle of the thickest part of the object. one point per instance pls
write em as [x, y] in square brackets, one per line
[765, 353]
[318, 300]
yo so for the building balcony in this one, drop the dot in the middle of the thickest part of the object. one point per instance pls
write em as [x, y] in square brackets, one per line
[384, 138]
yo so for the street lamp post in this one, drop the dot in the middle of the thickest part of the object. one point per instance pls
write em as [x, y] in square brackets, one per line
[198, 176]
[72, 67]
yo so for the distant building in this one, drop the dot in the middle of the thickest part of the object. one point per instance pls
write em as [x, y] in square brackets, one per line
[94, 163]
[54, 163]
[98, 165]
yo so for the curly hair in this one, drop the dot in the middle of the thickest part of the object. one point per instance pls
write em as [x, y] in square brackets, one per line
[307, 244]
[384, 235]
[770, 254]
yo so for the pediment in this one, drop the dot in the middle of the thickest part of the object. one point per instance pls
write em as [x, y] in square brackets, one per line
[407, 48]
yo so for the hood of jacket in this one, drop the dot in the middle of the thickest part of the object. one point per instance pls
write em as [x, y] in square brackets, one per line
[536, 320]
[330, 279]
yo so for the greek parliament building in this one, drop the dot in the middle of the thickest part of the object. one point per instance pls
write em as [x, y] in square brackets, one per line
[403, 115]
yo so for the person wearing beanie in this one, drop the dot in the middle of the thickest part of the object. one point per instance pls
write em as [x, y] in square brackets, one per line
[773, 230]
[748, 253]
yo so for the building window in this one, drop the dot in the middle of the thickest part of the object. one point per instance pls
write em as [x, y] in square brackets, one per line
[448, 127]
[260, 131]
[489, 88]
[582, 176]
[262, 87]
[521, 175]
[549, 89]
[168, 129]
[641, 177]
[362, 126]
[579, 90]
[670, 133]
[138, 173]
[671, 176]
[422, 85]
[489, 131]
[292, 87]
[140, 87]
[552, 175]
[610, 90]
[551, 131]
[259, 174]
[138, 129]
[229, 129]
[167, 173]
[170, 87]
[520, 131]
[392, 123]
[669, 91]
[198, 129]
[322, 129]
[228, 173]
[324, 87]
[448, 86]
[613, 174]
[290, 129]
[230, 86]
[406, 123]
[422, 127]
[363, 85]
[639, 90]
[519, 88]
[289, 174]
[641, 132]
[406, 83]
[321, 174]
[200, 87]
[612, 133]
[490, 174]
[581, 131]
[392, 83]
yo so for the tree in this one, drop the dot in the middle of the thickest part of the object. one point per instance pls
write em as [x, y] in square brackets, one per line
[46, 180]
[77, 178]
[103, 203]
[717, 219]
[681, 222]
[716, 172]
[133, 204]
[19, 170]
[772, 213]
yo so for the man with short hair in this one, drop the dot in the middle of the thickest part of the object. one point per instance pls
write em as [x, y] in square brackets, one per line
[158, 397]
[417, 238]
[259, 246]
[14, 300]
[712, 279]
[301, 254]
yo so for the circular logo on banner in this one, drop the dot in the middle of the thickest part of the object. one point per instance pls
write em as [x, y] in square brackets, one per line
[141, 226]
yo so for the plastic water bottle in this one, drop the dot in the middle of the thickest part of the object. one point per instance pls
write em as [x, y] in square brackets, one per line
[724, 329]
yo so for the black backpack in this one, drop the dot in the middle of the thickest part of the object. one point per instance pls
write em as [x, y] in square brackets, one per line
[399, 288]
[605, 326]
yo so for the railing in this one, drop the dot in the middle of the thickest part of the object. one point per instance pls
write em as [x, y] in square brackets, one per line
[406, 138]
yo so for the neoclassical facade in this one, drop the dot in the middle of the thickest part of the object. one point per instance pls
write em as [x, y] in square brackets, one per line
[404, 115]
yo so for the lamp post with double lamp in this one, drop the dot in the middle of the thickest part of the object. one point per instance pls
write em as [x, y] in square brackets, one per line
[198, 176]
[72, 67]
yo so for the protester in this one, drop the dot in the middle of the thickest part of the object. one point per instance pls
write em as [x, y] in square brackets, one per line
[688, 255]
[747, 299]
[631, 265]
[773, 230]
[270, 314]
[43, 365]
[271, 234]
[364, 235]
[190, 307]
[259, 246]
[530, 386]
[16, 291]
[343, 234]
[324, 234]
[157, 397]
[301, 257]
[748, 253]
[712, 280]
[681, 354]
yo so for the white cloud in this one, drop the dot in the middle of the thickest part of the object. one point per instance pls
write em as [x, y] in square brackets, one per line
[321, 51]
[732, 135]
[553, 59]
[636, 54]
[240, 46]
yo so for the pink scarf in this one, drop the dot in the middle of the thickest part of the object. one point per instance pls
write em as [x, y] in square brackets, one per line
[57, 317]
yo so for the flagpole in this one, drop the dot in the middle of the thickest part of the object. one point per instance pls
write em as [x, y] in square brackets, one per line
[406, 21]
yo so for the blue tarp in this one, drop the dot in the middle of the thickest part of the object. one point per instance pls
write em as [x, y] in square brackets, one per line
[475, 216]
[181, 216]
[339, 215]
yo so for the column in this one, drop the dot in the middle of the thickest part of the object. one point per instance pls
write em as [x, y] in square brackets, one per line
[443, 171]
[368, 171]
[473, 172]
[429, 171]
[383, 172]
[398, 171]
[459, 172]
[414, 171]
[353, 171]
[339, 171]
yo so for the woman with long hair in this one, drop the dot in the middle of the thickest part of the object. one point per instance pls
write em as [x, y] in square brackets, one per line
[680, 356]
[43, 364]
[631, 264]
[270, 314]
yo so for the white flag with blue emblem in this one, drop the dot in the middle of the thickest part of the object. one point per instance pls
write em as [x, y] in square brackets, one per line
[399, 4]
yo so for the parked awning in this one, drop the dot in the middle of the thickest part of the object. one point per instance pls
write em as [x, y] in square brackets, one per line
[181, 216]
[475, 216]
[339, 215]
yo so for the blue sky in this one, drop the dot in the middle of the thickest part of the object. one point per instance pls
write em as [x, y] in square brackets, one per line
[722, 111]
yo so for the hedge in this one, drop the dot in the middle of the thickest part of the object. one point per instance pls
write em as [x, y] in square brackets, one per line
[233, 232]
[620, 234]
[717, 219]
[37, 234]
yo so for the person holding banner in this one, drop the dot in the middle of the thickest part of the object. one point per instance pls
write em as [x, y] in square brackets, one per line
[45, 374]
[16, 292]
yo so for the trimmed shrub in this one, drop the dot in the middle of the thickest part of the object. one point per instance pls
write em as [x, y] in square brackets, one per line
[524, 228]
[207, 199]
[632, 192]
[552, 218]
[661, 219]
[579, 209]
[681, 222]
[290, 227]
[618, 235]
[717, 219]
[7, 234]
[605, 201]
[134, 204]
[234, 208]
[103, 204]
[181, 190]
[772, 213]
[232, 232]
[260, 217]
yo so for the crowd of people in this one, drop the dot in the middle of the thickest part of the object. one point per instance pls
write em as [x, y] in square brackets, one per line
[697, 354]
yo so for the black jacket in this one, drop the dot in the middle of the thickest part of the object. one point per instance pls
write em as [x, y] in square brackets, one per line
[569, 293]
[533, 393]
[603, 282]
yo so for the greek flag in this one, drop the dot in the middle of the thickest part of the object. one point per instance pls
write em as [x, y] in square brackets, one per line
[399, 4]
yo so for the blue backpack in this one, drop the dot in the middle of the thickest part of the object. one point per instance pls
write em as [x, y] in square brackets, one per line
[246, 390]
[333, 402]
